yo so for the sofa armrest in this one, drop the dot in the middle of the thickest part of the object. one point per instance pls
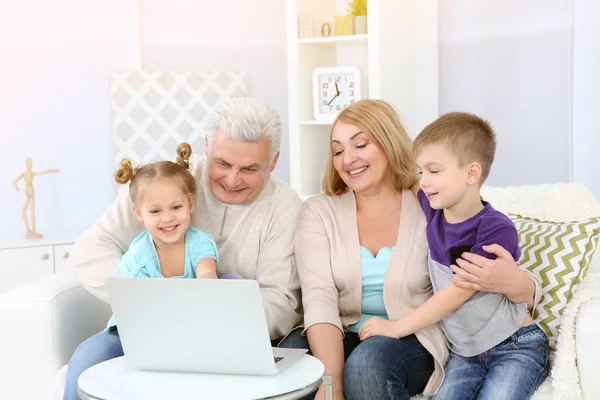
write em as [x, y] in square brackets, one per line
[41, 323]
[588, 346]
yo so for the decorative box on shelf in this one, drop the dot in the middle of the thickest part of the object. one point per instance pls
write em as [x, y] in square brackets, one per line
[25, 260]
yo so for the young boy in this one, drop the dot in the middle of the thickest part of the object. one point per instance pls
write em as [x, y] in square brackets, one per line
[496, 350]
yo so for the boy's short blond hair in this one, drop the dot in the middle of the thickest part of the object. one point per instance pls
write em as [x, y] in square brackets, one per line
[468, 137]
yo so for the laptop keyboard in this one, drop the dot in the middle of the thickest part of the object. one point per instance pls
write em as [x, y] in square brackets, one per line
[277, 359]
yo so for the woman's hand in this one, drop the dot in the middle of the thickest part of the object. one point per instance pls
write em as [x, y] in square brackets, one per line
[501, 275]
[378, 327]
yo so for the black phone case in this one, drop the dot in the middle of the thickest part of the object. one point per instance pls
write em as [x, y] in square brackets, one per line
[455, 253]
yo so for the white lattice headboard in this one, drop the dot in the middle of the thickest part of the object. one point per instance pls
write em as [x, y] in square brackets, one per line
[153, 111]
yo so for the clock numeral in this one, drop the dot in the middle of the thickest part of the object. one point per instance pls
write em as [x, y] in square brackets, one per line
[338, 78]
[325, 93]
[324, 102]
[351, 101]
[330, 107]
[351, 84]
[325, 85]
[339, 107]
[330, 79]
[352, 93]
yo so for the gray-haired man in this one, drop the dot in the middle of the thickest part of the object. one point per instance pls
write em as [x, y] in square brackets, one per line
[249, 212]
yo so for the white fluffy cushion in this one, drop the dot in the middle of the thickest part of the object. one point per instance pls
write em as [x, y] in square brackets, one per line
[562, 202]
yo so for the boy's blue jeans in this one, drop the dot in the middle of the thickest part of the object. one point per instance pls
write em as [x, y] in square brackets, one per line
[512, 370]
[103, 346]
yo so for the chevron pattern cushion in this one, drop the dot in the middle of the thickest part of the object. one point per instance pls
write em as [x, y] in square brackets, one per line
[559, 253]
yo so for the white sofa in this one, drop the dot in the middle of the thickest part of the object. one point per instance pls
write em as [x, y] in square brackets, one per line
[43, 322]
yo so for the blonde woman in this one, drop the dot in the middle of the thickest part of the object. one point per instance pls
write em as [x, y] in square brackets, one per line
[361, 252]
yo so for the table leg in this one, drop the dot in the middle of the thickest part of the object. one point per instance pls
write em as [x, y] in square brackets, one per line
[328, 384]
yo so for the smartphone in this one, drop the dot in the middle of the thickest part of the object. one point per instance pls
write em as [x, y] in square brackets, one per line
[455, 253]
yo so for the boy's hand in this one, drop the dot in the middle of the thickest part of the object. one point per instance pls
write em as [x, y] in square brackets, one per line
[379, 327]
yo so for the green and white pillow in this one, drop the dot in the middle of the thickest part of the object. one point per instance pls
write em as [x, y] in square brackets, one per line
[559, 254]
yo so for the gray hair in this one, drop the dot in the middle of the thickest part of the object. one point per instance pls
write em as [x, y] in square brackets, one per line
[247, 120]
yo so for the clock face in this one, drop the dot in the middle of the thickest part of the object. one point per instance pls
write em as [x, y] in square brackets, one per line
[337, 91]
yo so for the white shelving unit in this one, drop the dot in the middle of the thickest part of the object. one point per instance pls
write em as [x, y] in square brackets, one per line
[398, 59]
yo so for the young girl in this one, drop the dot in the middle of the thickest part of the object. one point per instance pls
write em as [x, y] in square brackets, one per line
[163, 195]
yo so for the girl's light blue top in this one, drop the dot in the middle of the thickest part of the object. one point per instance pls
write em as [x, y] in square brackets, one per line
[141, 260]
[373, 271]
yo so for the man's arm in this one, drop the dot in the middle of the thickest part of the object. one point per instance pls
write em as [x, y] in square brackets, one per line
[97, 252]
[277, 275]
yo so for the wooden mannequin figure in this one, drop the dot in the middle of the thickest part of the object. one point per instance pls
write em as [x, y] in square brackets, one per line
[28, 176]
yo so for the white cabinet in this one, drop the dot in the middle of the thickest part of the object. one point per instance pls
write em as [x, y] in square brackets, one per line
[61, 256]
[25, 260]
[398, 60]
[18, 266]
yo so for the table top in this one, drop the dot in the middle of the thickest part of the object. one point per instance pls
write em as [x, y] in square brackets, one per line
[115, 380]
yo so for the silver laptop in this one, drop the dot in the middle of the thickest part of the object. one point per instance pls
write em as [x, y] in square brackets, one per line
[195, 325]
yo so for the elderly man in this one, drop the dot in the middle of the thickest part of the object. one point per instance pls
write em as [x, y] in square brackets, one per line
[249, 212]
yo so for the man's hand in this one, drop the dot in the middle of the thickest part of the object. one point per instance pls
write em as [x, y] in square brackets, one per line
[501, 275]
[378, 327]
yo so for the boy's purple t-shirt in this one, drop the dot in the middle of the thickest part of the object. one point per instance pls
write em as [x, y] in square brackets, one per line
[488, 226]
[485, 319]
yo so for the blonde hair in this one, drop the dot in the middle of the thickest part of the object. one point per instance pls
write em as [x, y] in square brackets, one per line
[161, 169]
[468, 137]
[381, 123]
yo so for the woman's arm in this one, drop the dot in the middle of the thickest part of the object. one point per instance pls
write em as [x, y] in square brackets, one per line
[326, 343]
[448, 299]
[501, 275]
[319, 293]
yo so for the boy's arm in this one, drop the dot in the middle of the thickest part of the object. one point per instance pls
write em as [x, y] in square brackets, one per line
[445, 301]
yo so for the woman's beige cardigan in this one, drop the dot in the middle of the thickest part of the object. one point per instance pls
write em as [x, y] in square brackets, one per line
[328, 259]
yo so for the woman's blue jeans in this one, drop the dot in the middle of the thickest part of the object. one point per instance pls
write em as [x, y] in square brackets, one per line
[380, 368]
[103, 346]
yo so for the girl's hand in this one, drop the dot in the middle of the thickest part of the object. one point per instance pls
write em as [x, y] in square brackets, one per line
[378, 327]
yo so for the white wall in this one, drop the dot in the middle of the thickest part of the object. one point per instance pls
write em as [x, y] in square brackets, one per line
[230, 34]
[55, 57]
[586, 95]
[509, 62]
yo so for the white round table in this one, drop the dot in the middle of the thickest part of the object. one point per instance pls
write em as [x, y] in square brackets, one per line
[115, 380]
